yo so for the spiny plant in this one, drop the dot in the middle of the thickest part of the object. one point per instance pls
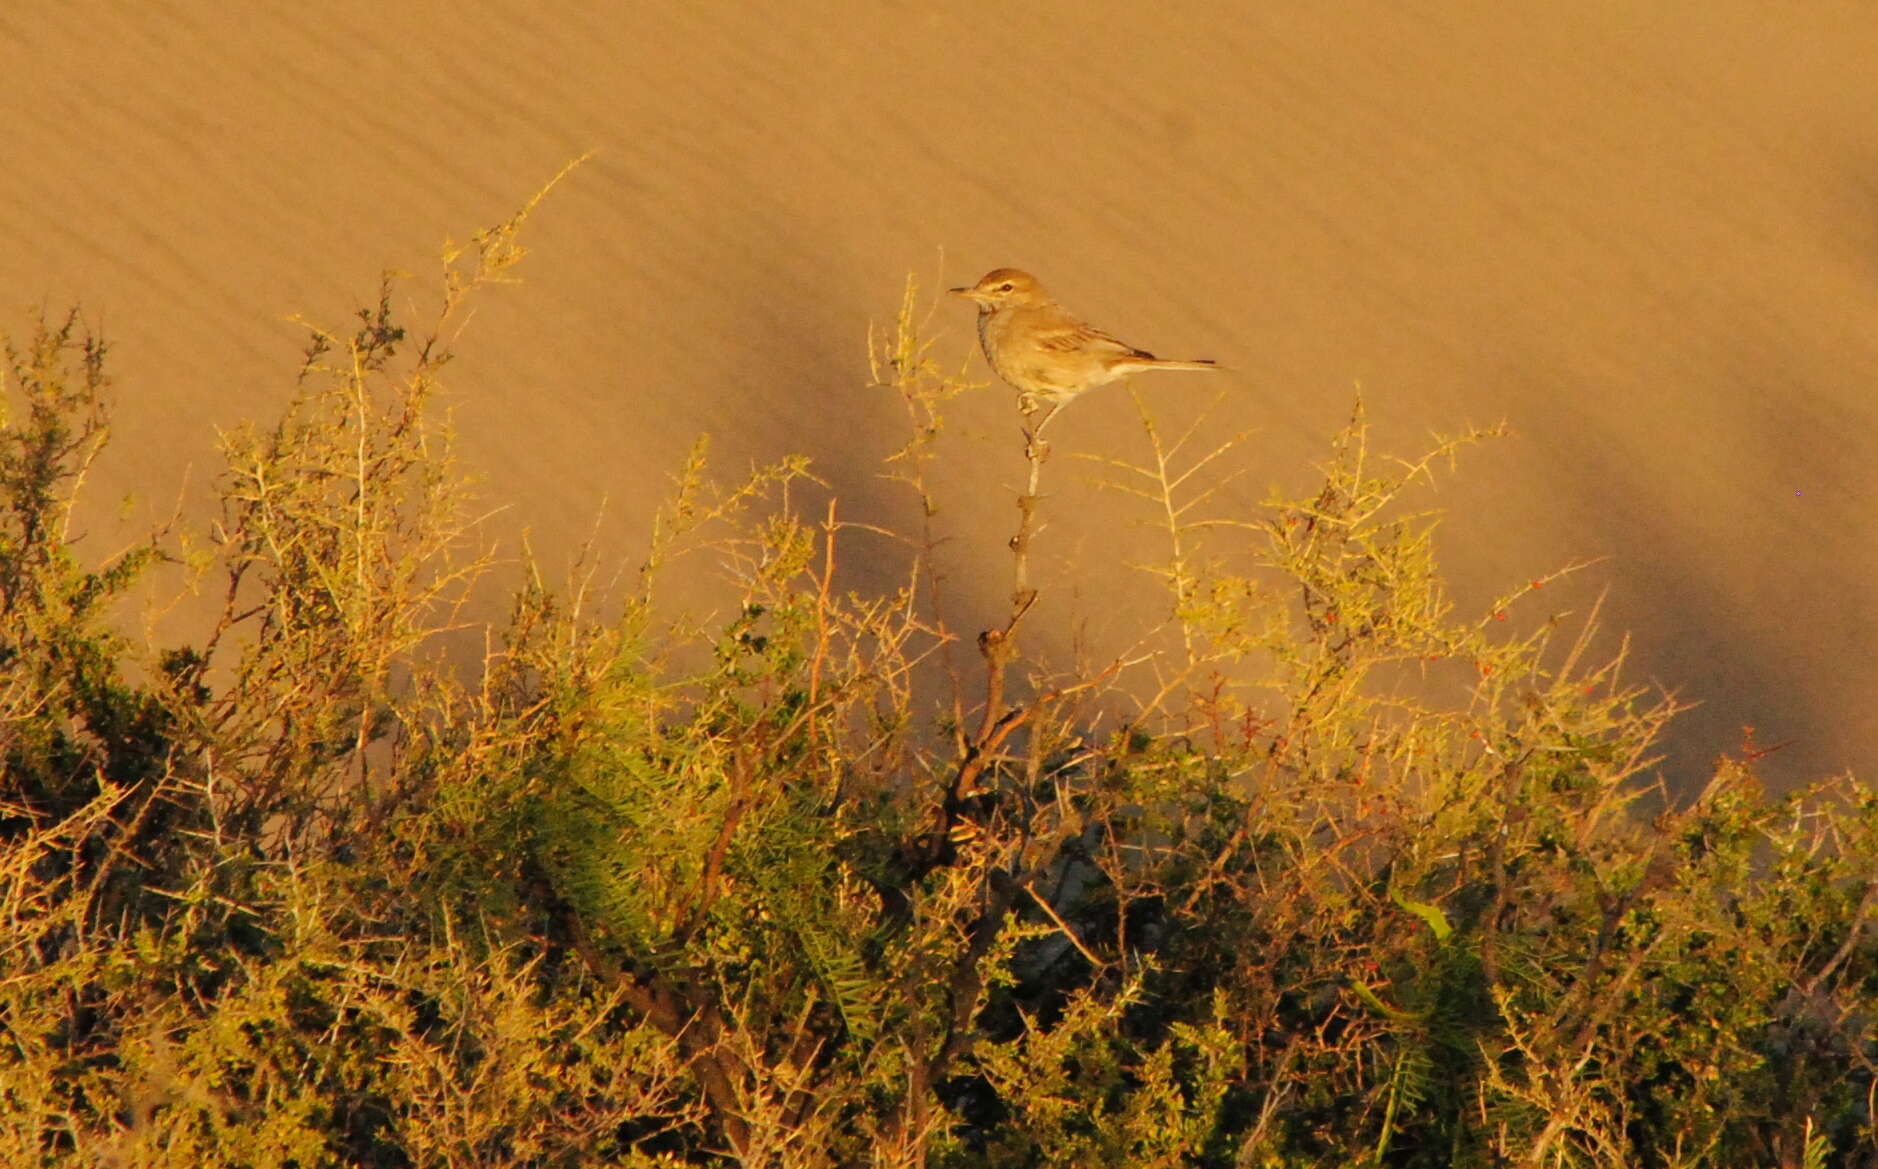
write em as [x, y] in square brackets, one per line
[1322, 871]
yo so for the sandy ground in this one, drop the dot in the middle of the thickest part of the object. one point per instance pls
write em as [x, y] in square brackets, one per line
[1645, 236]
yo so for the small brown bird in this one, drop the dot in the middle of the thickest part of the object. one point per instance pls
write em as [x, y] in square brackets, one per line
[1047, 354]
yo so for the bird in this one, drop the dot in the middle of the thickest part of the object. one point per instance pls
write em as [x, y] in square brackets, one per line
[1044, 352]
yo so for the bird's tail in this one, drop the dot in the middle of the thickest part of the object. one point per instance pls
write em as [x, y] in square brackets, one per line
[1164, 363]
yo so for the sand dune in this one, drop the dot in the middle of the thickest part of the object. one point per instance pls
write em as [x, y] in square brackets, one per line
[1647, 239]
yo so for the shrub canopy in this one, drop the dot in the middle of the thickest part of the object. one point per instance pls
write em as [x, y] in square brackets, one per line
[1356, 879]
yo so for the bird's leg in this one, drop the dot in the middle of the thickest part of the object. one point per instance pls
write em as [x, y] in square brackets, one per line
[1035, 449]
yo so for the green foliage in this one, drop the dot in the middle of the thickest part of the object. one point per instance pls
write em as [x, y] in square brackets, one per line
[1357, 880]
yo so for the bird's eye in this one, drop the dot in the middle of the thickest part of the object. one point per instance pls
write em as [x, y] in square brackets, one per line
[1005, 287]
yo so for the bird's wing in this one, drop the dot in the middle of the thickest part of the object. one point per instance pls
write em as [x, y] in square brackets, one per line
[1071, 336]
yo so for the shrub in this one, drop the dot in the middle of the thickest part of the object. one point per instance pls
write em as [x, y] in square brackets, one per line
[1357, 880]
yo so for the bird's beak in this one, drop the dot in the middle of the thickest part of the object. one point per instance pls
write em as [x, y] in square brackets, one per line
[967, 293]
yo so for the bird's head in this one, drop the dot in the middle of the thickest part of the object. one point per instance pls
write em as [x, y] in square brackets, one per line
[1004, 286]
